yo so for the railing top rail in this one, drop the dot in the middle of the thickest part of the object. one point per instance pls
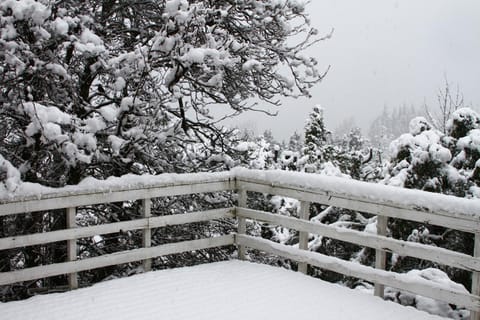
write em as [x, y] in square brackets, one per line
[29, 191]
[34, 197]
[373, 193]
[132, 187]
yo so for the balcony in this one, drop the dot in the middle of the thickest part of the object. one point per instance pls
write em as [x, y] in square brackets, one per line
[385, 202]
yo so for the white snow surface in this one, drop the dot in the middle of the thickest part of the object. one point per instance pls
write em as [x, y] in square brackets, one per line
[224, 290]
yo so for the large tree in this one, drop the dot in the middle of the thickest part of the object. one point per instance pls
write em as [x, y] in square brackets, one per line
[107, 87]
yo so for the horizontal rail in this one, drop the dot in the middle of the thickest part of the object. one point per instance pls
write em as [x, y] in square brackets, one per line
[411, 199]
[464, 223]
[412, 249]
[65, 200]
[113, 259]
[401, 281]
[84, 232]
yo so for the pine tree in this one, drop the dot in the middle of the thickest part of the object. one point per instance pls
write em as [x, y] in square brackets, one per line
[295, 142]
[316, 139]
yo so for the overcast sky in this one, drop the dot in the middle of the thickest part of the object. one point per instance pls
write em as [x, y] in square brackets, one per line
[384, 52]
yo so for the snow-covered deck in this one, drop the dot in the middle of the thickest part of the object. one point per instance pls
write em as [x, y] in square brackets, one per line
[216, 291]
[238, 289]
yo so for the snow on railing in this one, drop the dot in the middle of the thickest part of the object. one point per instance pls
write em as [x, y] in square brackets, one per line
[32, 197]
[386, 202]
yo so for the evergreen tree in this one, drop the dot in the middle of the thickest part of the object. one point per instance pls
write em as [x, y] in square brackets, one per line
[295, 142]
[316, 139]
[350, 155]
[268, 137]
[429, 160]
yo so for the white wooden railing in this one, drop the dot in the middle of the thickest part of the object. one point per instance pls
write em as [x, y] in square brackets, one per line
[386, 202]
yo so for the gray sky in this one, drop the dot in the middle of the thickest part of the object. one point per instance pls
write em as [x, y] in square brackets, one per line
[384, 52]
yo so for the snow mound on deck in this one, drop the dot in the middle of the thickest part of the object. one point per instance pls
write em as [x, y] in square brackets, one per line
[216, 291]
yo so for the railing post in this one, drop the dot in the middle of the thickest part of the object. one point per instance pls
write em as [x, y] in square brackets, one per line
[475, 315]
[72, 247]
[242, 223]
[303, 236]
[147, 232]
[380, 255]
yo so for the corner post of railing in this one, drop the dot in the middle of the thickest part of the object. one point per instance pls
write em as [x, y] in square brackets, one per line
[242, 222]
[475, 315]
[381, 255]
[304, 214]
[72, 246]
[147, 232]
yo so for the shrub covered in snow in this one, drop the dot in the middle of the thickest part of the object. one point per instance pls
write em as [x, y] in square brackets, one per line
[9, 176]
[427, 304]
[429, 160]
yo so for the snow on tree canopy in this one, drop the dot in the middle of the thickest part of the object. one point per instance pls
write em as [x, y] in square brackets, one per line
[27, 10]
[60, 26]
[462, 121]
[135, 92]
[9, 176]
[471, 141]
[418, 125]
[427, 159]
[420, 151]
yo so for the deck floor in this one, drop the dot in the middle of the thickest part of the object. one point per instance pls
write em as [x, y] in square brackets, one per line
[217, 291]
